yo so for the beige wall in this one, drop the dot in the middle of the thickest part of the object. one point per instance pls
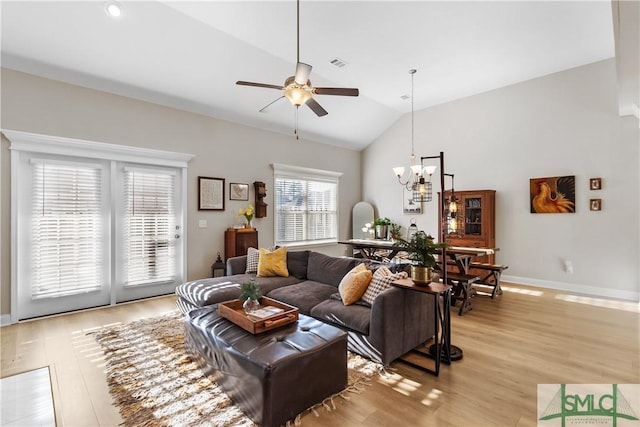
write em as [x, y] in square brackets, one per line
[221, 149]
[562, 124]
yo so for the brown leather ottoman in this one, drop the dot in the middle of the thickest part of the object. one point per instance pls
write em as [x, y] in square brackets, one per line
[275, 375]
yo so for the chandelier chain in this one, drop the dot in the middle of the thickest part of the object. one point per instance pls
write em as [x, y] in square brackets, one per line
[412, 143]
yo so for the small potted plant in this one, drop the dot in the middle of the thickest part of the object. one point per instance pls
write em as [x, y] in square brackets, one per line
[382, 227]
[250, 293]
[395, 231]
[422, 250]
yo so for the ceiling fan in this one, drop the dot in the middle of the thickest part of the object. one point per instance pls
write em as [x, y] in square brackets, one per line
[298, 89]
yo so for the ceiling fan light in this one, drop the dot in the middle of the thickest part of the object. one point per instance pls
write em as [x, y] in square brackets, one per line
[297, 95]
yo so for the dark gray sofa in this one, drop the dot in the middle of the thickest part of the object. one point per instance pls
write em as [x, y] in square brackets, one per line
[396, 322]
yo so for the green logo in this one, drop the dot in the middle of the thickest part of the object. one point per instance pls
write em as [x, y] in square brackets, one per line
[588, 408]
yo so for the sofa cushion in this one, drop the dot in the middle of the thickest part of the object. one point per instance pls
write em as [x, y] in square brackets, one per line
[355, 317]
[304, 295]
[381, 280]
[354, 283]
[273, 263]
[297, 263]
[328, 269]
[253, 255]
[203, 292]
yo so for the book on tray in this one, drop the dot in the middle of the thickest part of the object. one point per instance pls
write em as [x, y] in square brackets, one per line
[266, 311]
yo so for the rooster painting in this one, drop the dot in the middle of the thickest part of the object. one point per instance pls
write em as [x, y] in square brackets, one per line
[553, 195]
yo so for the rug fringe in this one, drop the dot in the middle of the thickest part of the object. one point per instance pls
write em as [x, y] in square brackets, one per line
[329, 405]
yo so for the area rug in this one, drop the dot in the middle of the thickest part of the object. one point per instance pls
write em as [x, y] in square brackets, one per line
[155, 382]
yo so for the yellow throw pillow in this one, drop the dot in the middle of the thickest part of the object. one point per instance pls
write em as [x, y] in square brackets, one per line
[354, 284]
[273, 263]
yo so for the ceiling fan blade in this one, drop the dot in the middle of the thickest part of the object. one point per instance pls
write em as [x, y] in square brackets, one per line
[302, 73]
[270, 104]
[342, 91]
[268, 86]
[316, 108]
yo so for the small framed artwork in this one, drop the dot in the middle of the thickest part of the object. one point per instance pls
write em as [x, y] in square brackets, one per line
[408, 205]
[210, 194]
[595, 204]
[238, 191]
[595, 184]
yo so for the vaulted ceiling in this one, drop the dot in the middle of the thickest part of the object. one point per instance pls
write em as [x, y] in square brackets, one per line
[189, 55]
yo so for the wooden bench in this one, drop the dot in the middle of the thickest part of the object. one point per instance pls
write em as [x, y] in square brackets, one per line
[492, 278]
[461, 289]
[494, 271]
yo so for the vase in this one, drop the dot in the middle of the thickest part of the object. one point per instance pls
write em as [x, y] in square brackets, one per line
[250, 305]
[248, 224]
[381, 232]
[421, 275]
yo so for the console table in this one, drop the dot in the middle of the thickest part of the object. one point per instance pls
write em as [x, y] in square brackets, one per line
[441, 350]
[238, 240]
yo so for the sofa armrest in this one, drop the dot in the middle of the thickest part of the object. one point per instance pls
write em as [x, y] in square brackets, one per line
[400, 320]
[236, 265]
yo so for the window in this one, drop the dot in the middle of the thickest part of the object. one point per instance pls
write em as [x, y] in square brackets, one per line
[67, 228]
[149, 226]
[306, 205]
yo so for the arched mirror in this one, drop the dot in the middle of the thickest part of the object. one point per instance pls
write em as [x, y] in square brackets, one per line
[362, 214]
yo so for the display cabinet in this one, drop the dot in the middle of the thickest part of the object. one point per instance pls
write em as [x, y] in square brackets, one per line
[473, 225]
[238, 240]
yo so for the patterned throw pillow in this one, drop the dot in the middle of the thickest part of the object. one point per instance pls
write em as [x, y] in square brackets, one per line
[252, 260]
[273, 263]
[381, 280]
[354, 283]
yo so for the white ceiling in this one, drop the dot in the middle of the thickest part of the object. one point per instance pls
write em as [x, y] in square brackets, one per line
[189, 55]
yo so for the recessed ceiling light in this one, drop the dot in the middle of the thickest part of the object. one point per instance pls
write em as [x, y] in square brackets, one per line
[113, 8]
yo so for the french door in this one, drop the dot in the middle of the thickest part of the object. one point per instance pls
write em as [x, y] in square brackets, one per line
[148, 232]
[89, 232]
[63, 249]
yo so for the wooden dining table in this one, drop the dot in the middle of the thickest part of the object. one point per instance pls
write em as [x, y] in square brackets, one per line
[460, 256]
[387, 249]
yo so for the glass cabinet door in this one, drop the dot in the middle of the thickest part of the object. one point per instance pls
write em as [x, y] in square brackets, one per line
[473, 216]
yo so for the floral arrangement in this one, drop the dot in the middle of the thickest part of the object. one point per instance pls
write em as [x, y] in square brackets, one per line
[247, 213]
[250, 290]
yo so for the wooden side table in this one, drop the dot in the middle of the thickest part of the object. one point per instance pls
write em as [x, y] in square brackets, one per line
[441, 350]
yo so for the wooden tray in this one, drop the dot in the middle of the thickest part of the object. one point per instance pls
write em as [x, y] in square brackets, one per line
[232, 310]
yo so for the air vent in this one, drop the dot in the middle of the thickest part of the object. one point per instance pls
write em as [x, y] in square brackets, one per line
[338, 62]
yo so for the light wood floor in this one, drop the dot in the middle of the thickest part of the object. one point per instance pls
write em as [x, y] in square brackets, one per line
[525, 337]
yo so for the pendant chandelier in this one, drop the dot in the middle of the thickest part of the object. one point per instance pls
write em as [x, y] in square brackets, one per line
[416, 183]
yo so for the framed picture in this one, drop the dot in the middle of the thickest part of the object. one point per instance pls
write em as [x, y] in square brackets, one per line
[408, 205]
[210, 194]
[595, 204]
[553, 194]
[238, 191]
[595, 184]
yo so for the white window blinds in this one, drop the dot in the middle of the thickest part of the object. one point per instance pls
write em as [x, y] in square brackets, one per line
[306, 207]
[149, 226]
[67, 229]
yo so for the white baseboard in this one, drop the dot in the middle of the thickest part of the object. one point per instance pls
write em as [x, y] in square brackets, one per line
[5, 319]
[575, 288]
